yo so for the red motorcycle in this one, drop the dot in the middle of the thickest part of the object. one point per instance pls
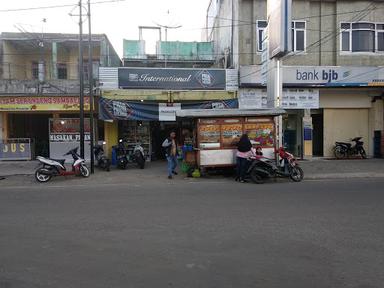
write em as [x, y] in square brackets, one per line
[55, 167]
[262, 168]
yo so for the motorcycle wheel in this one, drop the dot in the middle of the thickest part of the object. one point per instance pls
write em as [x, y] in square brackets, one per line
[363, 154]
[41, 177]
[140, 161]
[84, 171]
[297, 174]
[339, 152]
[256, 178]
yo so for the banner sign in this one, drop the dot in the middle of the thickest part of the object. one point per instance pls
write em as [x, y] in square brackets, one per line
[42, 103]
[318, 76]
[126, 110]
[67, 130]
[13, 149]
[292, 99]
[167, 111]
[172, 78]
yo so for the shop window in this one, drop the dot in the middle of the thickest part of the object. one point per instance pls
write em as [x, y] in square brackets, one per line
[35, 70]
[362, 37]
[62, 71]
[231, 132]
[298, 36]
[209, 135]
[260, 132]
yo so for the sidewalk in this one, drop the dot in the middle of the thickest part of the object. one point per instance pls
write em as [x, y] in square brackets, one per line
[317, 168]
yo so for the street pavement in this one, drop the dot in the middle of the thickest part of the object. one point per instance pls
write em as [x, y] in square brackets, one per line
[144, 230]
[317, 168]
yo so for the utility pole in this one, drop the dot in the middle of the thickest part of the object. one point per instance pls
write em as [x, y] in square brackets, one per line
[81, 79]
[90, 80]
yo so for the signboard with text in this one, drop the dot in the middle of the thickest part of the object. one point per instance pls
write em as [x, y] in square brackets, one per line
[172, 78]
[42, 103]
[15, 149]
[292, 99]
[317, 76]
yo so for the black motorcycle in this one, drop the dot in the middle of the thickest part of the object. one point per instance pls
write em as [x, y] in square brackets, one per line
[261, 168]
[121, 155]
[346, 150]
[102, 161]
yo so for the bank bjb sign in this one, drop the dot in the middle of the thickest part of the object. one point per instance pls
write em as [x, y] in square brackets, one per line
[14, 150]
[172, 79]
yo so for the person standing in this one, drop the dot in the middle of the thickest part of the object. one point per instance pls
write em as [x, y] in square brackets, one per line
[244, 147]
[170, 147]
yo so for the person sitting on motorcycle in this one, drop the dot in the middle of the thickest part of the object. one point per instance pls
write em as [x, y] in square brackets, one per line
[244, 151]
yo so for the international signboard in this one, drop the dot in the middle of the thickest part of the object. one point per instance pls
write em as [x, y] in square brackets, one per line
[42, 103]
[172, 79]
[318, 76]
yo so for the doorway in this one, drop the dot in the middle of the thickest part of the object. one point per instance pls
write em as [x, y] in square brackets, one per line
[318, 133]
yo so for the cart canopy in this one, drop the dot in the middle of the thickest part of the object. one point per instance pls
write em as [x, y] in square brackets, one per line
[203, 113]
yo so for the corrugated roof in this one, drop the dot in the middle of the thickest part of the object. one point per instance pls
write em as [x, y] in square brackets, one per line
[49, 36]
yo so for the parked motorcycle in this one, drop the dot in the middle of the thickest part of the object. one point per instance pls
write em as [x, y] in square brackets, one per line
[262, 168]
[121, 155]
[125, 156]
[345, 150]
[102, 161]
[55, 167]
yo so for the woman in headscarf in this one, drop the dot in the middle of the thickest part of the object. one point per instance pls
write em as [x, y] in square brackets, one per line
[244, 147]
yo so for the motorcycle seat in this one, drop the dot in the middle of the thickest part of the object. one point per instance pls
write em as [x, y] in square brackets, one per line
[61, 161]
[343, 143]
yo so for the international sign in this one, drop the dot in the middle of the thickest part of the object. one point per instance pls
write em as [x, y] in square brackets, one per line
[172, 79]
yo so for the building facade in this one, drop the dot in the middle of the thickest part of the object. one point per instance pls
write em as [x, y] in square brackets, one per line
[39, 87]
[139, 101]
[337, 58]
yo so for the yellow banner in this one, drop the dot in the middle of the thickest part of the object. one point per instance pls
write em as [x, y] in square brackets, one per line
[42, 103]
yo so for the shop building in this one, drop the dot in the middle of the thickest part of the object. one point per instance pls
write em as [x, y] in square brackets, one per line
[139, 103]
[39, 88]
[333, 79]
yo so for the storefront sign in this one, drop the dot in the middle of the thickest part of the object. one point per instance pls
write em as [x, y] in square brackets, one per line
[15, 149]
[317, 76]
[292, 99]
[167, 111]
[172, 79]
[42, 103]
[64, 135]
[300, 99]
[126, 110]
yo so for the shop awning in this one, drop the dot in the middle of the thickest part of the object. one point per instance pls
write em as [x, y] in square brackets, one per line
[204, 113]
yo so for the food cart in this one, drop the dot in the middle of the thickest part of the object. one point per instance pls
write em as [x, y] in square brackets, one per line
[218, 131]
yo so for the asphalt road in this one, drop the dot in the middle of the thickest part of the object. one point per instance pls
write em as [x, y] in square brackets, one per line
[206, 233]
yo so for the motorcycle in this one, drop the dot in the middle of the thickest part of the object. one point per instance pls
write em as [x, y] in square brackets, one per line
[125, 156]
[55, 167]
[121, 155]
[262, 168]
[344, 149]
[102, 161]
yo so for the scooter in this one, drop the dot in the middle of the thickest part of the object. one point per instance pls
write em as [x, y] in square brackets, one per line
[125, 156]
[344, 150]
[121, 155]
[261, 167]
[102, 161]
[137, 156]
[55, 167]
